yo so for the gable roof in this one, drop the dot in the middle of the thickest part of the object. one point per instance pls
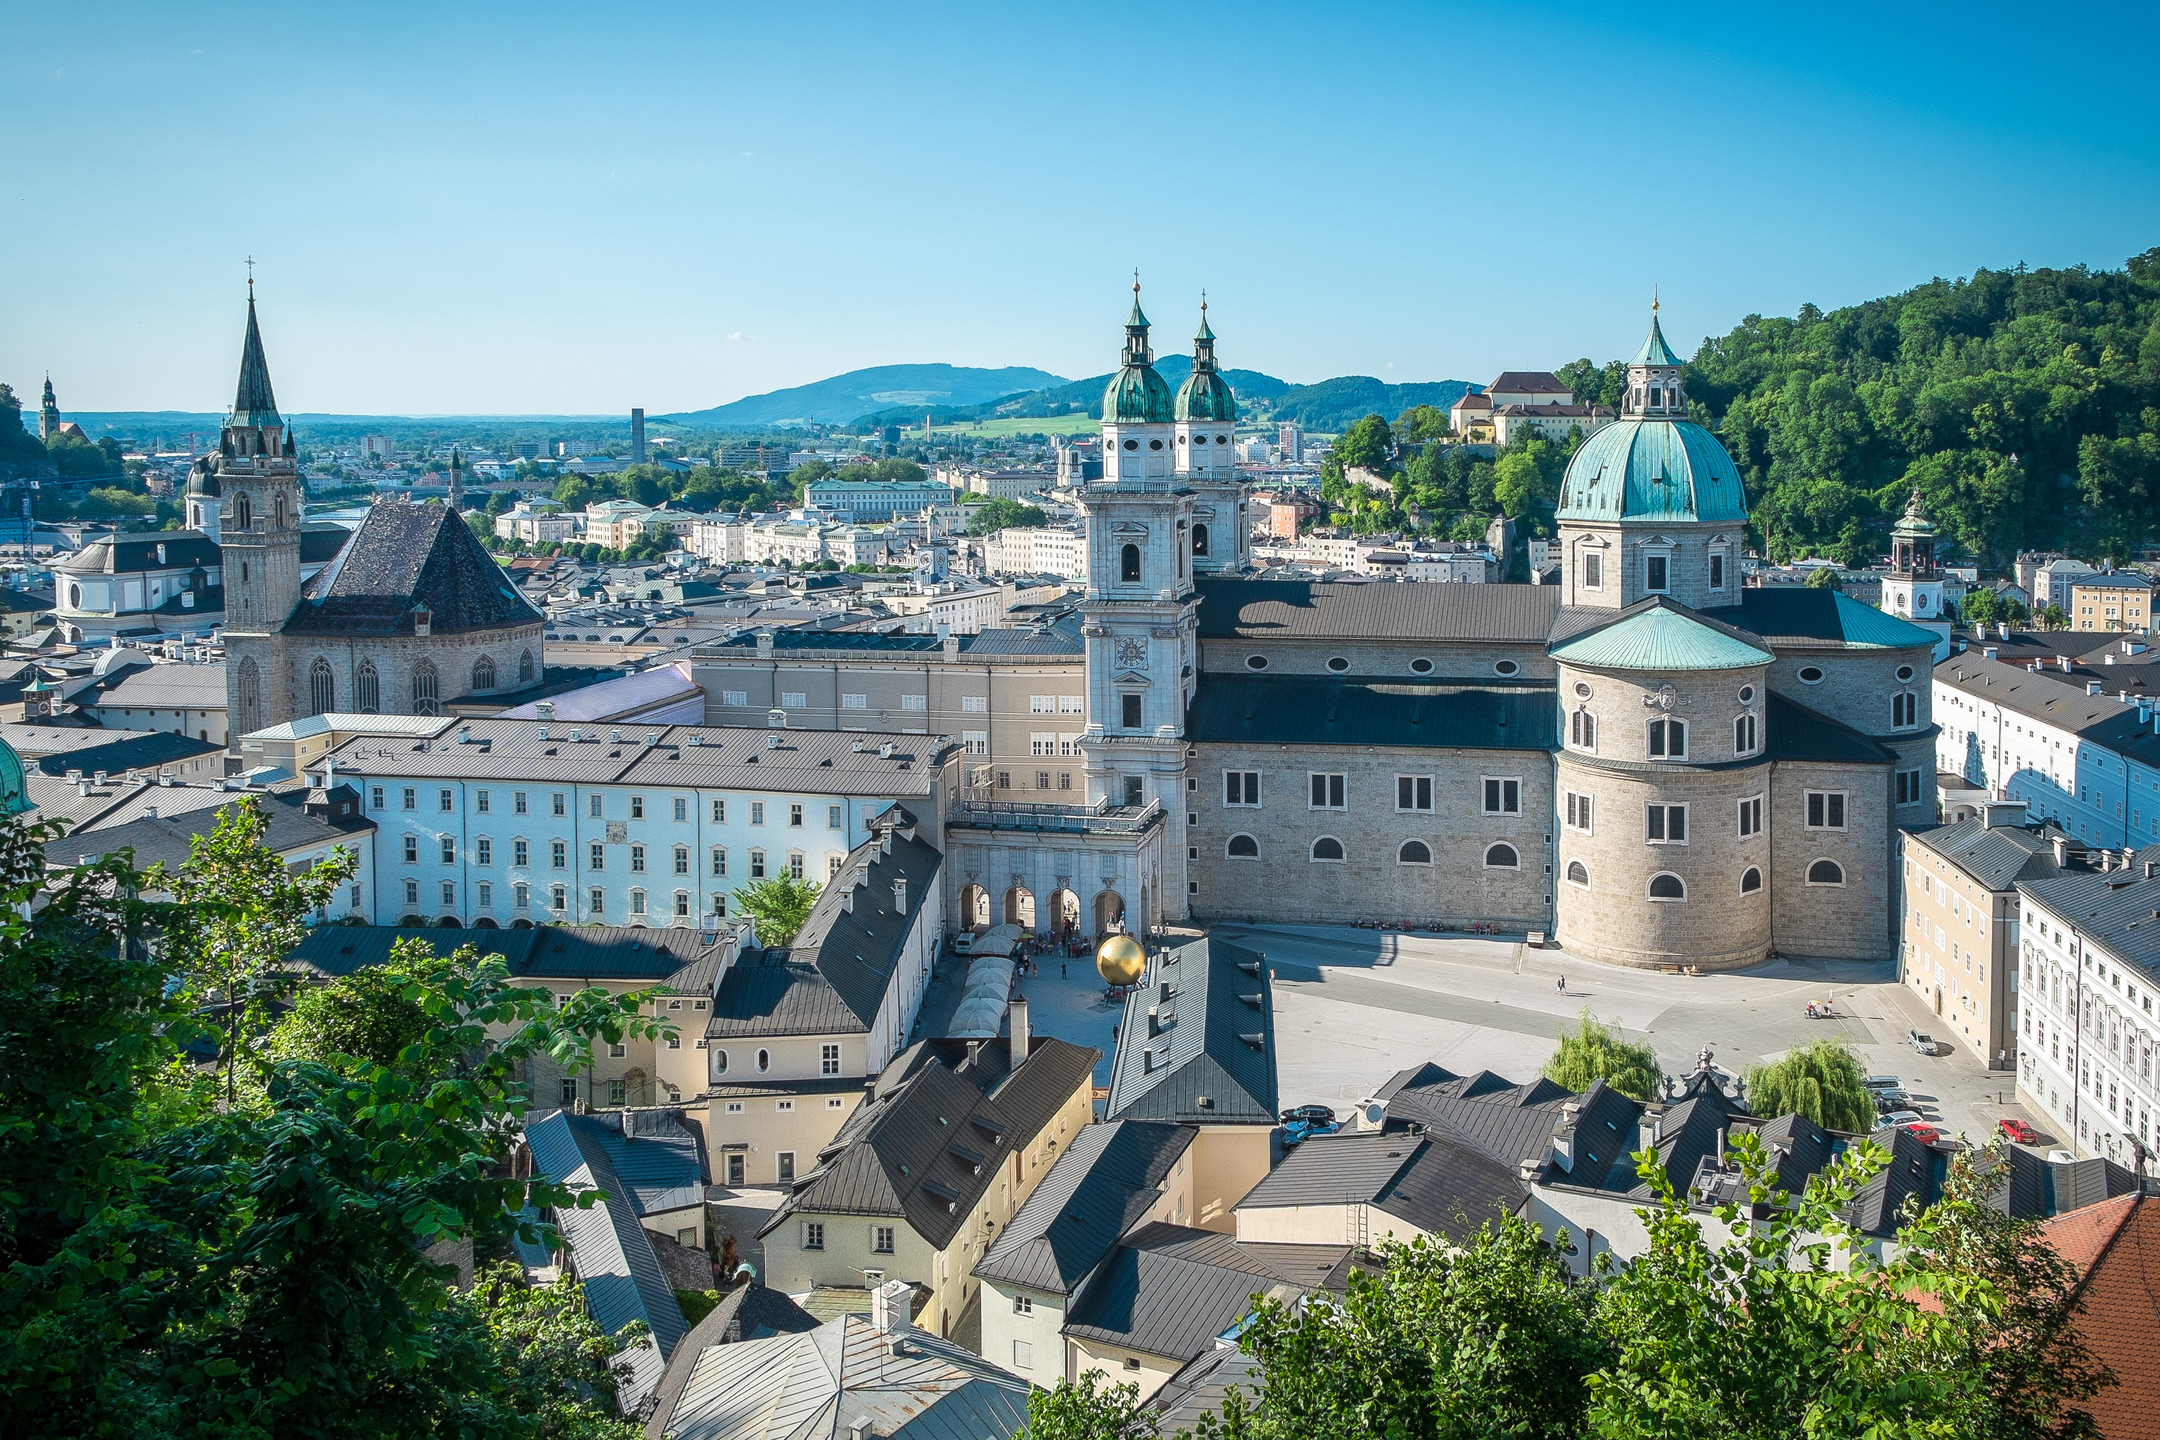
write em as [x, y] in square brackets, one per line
[1661, 635]
[1995, 858]
[1199, 1388]
[1527, 382]
[1331, 710]
[1207, 1056]
[403, 556]
[610, 1251]
[1317, 610]
[1171, 1290]
[817, 1384]
[2118, 1322]
[1109, 1177]
[748, 1312]
[1571, 1138]
[2119, 910]
[1436, 1183]
[837, 972]
[931, 1137]
[684, 962]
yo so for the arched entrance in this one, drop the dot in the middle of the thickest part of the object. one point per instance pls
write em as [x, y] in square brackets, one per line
[484, 923]
[974, 907]
[449, 922]
[1109, 910]
[1020, 907]
[1062, 913]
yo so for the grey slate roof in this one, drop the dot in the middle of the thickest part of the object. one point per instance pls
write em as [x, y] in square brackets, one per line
[932, 1135]
[1510, 1123]
[1686, 1134]
[2118, 910]
[1438, 1184]
[1261, 709]
[1199, 1388]
[169, 839]
[1794, 732]
[403, 555]
[1107, 1178]
[146, 750]
[1995, 859]
[842, 962]
[1915, 1169]
[610, 1251]
[1170, 1290]
[816, 1385]
[120, 554]
[1209, 1056]
[2061, 702]
[682, 961]
[1312, 610]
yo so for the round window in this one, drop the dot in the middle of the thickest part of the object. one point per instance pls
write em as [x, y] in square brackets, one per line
[1582, 691]
[1747, 694]
[1180, 439]
[1154, 444]
[1811, 675]
[1222, 439]
[1132, 444]
[1505, 667]
[1256, 662]
[1338, 664]
[1904, 672]
[1421, 666]
[764, 1060]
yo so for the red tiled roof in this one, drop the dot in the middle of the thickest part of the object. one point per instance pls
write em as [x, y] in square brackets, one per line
[2117, 1244]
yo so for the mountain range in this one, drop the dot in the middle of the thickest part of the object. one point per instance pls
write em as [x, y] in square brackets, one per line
[846, 398]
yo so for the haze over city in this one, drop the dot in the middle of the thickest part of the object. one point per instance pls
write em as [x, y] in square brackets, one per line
[486, 209]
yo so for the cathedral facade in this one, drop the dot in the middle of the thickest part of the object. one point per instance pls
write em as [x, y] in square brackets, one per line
[1651, 762]
[410, 615]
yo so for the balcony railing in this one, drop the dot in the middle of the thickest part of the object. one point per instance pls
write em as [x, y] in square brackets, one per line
[1099, 819]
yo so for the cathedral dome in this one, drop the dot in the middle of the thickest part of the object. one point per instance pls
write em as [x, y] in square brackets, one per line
[203, 483]
[1137, 395]
[1206, 397]
[1652, 469]
[14, 793]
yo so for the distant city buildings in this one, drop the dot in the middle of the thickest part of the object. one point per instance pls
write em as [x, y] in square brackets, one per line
[1519, 400]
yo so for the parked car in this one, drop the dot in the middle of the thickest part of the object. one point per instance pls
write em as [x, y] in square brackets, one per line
[1901, 1118]
[2017, 1130]
[1926, 1134]
[1299, 1131]
[1881, 1082]
[1310, 1114]
[1887, 1100]
[1921, 1044]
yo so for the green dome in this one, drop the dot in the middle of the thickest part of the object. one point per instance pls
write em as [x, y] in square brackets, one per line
[1137, 395]
[1647, 469]
[14, 794]
[1206, 396]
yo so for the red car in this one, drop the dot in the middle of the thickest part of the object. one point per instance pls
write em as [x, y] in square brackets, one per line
[1925, 1134]
[2016, 1129]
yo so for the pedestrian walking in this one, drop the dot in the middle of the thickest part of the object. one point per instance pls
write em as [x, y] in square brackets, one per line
[1563, 984]
[1061, 970]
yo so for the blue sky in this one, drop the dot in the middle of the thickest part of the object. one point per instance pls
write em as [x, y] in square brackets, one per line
[578, 208]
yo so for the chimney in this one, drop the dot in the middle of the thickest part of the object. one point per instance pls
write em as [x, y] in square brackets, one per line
[545, 709]
[2002, 629]
[2152, 869]
[2092, 687]
[149, 812]
[1019, 1013]
[974, 1050]
[2062, 849]
[888, 1307]
[1991, 652]
[899, 897]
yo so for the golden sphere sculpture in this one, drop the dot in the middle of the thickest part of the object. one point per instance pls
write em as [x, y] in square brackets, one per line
[1122, 960]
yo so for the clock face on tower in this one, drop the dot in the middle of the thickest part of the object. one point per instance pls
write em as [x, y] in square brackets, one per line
[1131, 654]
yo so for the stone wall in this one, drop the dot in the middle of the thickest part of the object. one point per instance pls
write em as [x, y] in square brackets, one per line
[1849, 921]
[395, 659]
[1446, 659]
[1372, 882]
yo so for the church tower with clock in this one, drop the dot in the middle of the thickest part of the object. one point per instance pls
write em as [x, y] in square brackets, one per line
[1141, 614]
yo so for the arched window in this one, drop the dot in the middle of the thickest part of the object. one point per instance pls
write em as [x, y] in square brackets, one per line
[764, 1061]
[1750, 880]
[483, 674]
[370, 687]
[1904, 709]
[322, 687]
[1582, 730]
[1668, 739]
[1129, 564]
[250, 687]
[425, 699]
[1327, 847]
[1743, 735]
[243, 514]
[719, 1064]
[1414, 852]
[525, 668]
[1199, 539]
[1667, 886]
[1578, 874]
[1825, 872]
[1242, 847]
[1502, 857]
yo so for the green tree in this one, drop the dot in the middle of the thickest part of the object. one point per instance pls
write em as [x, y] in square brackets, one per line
[573, 492]
[1089, 1408]
[1368, 445]
[1592, 1052]
[1001, 514]
[1825, 578]
[1820, 1080]
[2052, 617]
[1771, 1318]
[371, 1016]
[1495, 1338]
[240, 911]
[1981, 607]
[1421, 423]
[779, 906]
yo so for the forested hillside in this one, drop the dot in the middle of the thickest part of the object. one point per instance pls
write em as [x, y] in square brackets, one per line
[2025, 405]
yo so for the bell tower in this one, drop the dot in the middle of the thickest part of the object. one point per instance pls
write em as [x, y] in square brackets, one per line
[1140, 617]
[257, 477]
[1206, 423]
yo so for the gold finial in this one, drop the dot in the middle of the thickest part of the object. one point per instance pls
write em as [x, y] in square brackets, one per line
[1136, 280]
[1653, 299]
[251, 277]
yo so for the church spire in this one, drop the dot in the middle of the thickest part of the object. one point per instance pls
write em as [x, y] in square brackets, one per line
[253, 404]
[457, 479]
[1136, 330]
